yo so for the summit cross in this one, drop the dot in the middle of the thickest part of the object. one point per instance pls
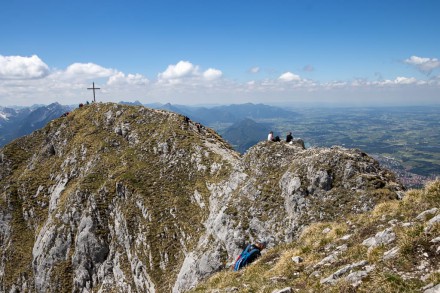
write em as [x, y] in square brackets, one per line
[93, 88]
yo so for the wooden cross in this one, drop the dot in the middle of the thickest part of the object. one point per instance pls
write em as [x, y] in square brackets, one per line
[94, 88]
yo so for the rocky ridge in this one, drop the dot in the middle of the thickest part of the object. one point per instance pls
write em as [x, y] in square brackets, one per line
[123, 198]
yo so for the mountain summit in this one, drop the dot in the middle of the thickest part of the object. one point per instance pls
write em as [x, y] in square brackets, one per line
[125, 198]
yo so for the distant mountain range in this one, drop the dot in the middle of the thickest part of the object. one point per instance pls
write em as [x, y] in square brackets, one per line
[19, 121]
[229, 114]
[245, 133]
[222, 114]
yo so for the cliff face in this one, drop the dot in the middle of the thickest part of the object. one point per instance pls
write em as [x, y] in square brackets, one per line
[120, 198]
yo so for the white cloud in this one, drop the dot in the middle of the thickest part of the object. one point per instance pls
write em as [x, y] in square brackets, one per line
[131, 79]
[18, 67]
[180, 70]
[398, 81]
[289, 76]
[186, 74]
[426, 65]
[87, 71]
[212, 74]
[405, 80]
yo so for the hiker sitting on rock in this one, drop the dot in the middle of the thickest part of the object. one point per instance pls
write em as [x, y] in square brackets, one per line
[249, 255]
[289, 137]
[270, 136]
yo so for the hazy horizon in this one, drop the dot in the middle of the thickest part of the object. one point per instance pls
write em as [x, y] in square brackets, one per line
[290, 106]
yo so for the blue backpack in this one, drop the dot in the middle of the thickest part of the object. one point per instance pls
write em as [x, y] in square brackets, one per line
[247, 254]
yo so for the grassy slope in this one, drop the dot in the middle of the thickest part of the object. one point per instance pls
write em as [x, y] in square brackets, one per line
[276, 270]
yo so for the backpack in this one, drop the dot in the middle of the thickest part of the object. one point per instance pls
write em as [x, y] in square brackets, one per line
[247, 254]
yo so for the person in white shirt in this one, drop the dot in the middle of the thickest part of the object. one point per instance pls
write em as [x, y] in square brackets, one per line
[270, 136]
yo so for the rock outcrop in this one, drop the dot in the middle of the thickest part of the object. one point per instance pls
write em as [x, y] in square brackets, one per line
[123, 198]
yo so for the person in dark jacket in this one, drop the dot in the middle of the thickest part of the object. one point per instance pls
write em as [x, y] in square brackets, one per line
[289, 137]
[249, 255]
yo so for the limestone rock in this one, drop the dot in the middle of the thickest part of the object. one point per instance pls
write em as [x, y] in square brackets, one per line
[435, 240]
[278, 279]
[326, 230]
[355, 278]
[336, 275]
[435, 289]
[333, 257]
[432, 222]
[392, 253]
[381, 238]
[422, 216]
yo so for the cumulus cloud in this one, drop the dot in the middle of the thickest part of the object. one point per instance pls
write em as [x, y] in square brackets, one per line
[131, 79]
[18, 67]
[425, 65]
[188, 74]
[87, 71]
[289, 76]
[212, 74]
[180, 70]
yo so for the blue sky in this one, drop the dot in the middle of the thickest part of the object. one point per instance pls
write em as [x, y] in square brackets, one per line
[215, 52]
